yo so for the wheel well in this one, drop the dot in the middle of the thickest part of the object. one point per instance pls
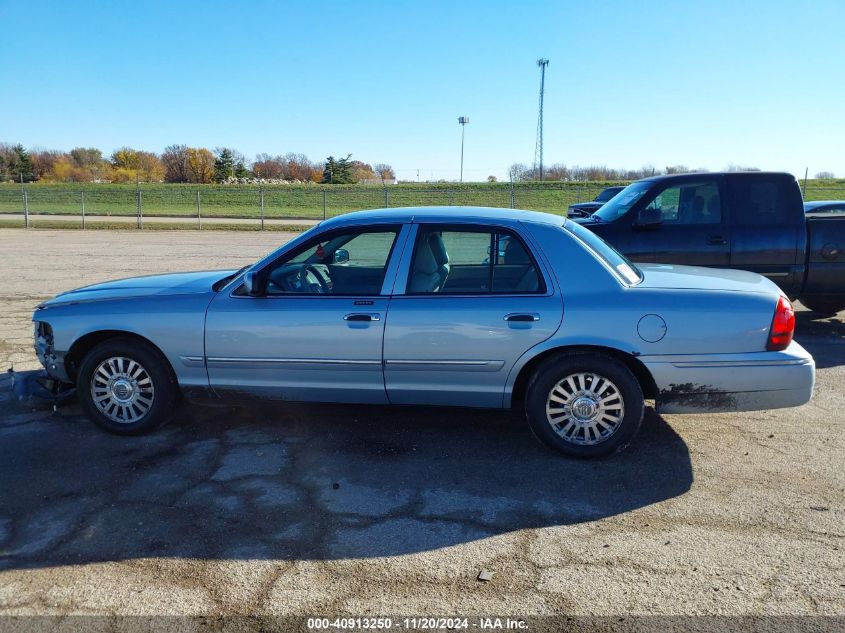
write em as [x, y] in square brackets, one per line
[84, 344]
[641, 373]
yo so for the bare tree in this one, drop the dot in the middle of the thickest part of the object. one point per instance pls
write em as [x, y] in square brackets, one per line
[384, 171]
[825, 175]
[175, 160]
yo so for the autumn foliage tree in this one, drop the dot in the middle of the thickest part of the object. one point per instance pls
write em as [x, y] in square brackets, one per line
[133, 165]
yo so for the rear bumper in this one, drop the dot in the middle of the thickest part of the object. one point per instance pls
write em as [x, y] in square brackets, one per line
[709, 383]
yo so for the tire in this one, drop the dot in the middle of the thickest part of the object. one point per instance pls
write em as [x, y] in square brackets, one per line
[133, 383]
[582, 380]
[824, 306]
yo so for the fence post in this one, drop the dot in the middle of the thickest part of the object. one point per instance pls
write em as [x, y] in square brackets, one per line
[199, 212]
[386, 199]
[140, 213]
[261, 195]
[513, 196]
[324, 204]
[449, 196]
[25, 209]
[83, 208]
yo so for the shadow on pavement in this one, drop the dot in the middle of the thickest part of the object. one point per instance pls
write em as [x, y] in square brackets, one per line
[821, 336]
[303, 482]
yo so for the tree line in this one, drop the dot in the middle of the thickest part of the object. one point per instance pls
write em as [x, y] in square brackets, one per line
[520, 172]
[180, 164]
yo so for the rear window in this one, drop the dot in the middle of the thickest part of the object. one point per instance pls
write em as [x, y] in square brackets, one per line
[620, 264]
[764, 199]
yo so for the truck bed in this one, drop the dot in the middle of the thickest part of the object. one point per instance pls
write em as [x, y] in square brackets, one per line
[826, 258]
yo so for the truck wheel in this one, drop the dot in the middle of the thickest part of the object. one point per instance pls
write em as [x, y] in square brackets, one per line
[584, 404]
[126, 387]
[823, 305]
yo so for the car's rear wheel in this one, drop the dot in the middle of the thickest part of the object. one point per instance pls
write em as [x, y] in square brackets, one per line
[584, 404]
[823, 305]
[126, 387]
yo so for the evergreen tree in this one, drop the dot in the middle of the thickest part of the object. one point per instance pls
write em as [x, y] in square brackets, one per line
[21, 167]
[224, 164]
[240, 169]
[339, 171]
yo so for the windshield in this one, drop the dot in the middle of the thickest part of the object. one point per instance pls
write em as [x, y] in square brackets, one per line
[622, 201]
[607, 194]
[620, 264]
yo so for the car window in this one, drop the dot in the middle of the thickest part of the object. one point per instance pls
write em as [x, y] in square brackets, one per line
[615, 260]
[471, 261]
[689, 203]
[346, 263]
[763, 199]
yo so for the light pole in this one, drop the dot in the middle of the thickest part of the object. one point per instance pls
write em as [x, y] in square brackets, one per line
[463, 120]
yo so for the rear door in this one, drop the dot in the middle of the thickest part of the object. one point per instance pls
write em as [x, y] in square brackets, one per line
[768, 227]
[471, 301]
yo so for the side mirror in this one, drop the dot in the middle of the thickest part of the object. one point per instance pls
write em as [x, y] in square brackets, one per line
[650, 217]
[341, 256]
[252, 284]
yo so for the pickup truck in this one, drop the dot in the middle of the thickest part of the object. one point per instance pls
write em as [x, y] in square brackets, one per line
[583, 209]
[748, 220]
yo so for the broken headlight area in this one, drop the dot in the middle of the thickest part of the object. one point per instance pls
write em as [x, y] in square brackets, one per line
[44, 345]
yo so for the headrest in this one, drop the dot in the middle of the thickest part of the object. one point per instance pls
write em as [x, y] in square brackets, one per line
[438, 248]
[515, 253]
[424, 261]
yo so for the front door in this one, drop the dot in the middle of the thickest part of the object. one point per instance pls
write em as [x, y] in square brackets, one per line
[316, 332]
[692, 231]
[475, 300]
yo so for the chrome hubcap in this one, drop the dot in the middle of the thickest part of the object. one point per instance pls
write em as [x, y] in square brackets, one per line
[585, 408]
[122, 389]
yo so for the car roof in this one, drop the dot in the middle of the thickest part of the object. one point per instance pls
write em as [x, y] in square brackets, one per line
[445, 214]
[824, 203]
[700, 174]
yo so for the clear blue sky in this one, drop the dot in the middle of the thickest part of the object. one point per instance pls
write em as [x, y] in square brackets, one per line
[658, 82]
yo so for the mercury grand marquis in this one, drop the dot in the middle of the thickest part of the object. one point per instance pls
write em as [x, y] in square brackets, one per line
[453, 306]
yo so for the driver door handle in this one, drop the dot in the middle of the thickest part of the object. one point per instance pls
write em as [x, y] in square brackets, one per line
[519, 317]
[717, 240]
[362, 316]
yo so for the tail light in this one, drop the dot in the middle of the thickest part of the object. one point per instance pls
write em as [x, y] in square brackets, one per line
[783, 325]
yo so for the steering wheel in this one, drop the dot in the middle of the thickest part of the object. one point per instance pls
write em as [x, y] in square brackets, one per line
[303, 278]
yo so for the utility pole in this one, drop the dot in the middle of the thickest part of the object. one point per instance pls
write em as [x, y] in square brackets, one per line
[538, 148]
[463, 120]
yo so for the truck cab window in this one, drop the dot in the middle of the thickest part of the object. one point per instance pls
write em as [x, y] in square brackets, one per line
[689, 203]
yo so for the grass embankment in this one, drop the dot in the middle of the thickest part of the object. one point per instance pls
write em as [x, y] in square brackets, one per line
[284, 201]
[309, 201]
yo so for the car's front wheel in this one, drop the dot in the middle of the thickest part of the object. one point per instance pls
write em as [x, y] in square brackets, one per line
[125, 386]
[584, 404]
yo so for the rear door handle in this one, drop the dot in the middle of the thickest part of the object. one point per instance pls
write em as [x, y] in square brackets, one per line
[362, 316]
[520, 317]
[717, 240]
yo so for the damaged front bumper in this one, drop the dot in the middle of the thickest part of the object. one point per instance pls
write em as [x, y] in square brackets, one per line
[713, 383]
[47, 355]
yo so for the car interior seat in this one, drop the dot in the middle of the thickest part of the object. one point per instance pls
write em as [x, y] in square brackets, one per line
[431, 265]
[697, 214]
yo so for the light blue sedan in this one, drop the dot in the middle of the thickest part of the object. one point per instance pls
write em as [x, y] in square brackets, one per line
[454, 306]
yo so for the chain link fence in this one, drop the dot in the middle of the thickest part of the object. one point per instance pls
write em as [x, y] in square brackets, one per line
[256, 206]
